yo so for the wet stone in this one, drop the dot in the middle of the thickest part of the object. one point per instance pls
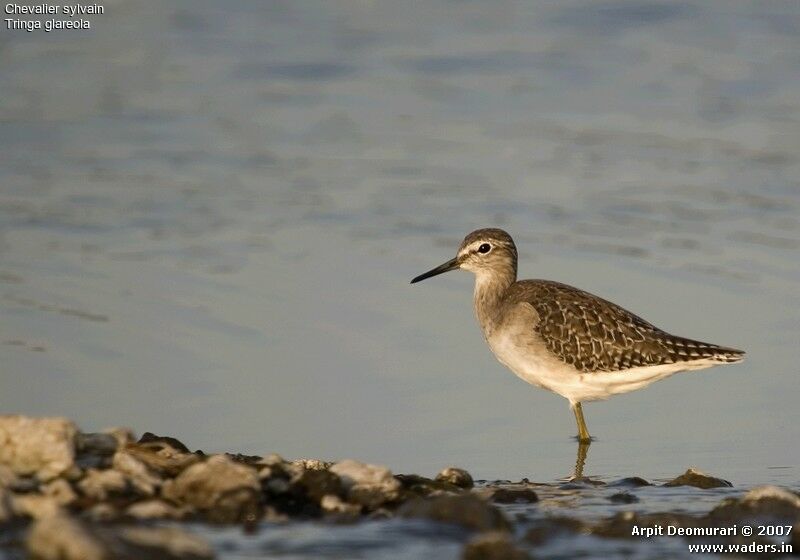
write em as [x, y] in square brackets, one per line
[769, 502]
[416, 485]
[467, 510]
[623, 498]
[456, 477]
[581, 484]
[631, 481]
[698, 479]
[514, 496]
[493, 546]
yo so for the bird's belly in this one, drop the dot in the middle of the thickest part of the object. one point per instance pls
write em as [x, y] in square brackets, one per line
[534, 365]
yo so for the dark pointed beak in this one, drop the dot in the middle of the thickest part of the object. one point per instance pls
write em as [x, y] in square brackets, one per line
[452, 264]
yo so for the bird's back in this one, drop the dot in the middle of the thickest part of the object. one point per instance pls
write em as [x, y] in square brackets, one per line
[595, 335]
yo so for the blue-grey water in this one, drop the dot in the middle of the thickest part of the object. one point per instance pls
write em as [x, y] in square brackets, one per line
[210, 212]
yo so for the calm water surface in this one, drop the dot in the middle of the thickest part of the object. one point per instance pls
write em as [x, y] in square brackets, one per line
[209, 215]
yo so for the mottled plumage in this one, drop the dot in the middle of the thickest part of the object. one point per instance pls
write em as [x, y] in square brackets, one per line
[566, 340]
[593, 334]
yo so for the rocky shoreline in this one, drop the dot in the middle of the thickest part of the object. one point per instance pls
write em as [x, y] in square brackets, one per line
[70, 495]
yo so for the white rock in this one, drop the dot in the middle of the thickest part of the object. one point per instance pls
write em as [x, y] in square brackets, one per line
[99, 484]
[142, 479]
[205, 485]
[334, 504]
[41, 446]
[59, 537]
[59, 490]
[155, 509]
[365, 484]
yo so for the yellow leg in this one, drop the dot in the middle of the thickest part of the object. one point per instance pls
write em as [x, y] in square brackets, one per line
[583, 433]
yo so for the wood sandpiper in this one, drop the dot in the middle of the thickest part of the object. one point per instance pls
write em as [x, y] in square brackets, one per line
[563, 339]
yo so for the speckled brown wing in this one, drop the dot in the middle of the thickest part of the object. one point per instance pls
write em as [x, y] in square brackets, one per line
[595, 335]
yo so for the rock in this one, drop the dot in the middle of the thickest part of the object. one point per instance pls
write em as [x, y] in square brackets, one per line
[312, 464]
[6, 506]
[466, 510]
[141, 477]
[273, 459]
[41, 446]
[623, 498]
[769, 502]
[59, 537]
[64, 538]
[102, 511]
[7, 476]
[175, 444]
[334, 504]
[249, 460]
[514, 496]
[155, 509]
[698, 479]
[456, 477]
[368, 485]
[61, 491]
[581, 483]
[633, 481]
[165, 543]
[97, 444]
[161, 458]
[35, 506]
[223, 490]
[316, 484]
[423, 486]
[99, 485]
[493, 546]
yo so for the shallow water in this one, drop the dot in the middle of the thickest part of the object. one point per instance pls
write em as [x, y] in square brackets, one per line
[209, 217]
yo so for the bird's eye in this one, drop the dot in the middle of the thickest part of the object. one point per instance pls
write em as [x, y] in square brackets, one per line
[485, 248]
